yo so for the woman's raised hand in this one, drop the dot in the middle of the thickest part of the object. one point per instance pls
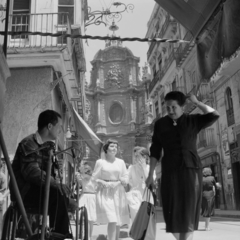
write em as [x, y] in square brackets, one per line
[193, 98]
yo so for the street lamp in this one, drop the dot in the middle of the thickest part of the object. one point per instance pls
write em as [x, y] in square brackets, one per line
[109, 14]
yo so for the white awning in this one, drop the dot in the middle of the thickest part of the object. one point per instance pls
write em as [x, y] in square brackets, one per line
[89, 137]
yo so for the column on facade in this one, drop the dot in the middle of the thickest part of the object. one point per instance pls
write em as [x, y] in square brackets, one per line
[133, 100]
[98, 110]
[134, 76]
[101, 76]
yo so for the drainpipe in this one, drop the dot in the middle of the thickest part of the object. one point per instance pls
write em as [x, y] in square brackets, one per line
[6, 29]
[220, 155]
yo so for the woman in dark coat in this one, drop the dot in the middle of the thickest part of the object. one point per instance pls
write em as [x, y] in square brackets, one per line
[208, 196]
[181, 183]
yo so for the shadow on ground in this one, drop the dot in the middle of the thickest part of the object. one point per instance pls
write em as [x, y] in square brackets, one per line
[101, 237]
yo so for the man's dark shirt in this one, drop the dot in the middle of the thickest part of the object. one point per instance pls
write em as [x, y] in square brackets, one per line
[30, 169]
[179, 142]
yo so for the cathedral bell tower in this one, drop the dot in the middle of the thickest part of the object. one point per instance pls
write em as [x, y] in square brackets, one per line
[115, 96]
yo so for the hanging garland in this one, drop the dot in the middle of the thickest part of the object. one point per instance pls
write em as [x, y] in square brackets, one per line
[160, 40]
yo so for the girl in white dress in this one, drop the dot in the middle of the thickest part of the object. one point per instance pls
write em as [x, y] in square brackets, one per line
[111, 175]
[88, 197]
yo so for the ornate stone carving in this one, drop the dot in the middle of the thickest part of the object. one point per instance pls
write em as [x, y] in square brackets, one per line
[114, 76]
[142, 114]
[148, 106]
[89, 116]
[98, 83]
[90, 120]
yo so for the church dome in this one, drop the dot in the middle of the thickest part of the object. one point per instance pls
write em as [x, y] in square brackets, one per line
[113, 52]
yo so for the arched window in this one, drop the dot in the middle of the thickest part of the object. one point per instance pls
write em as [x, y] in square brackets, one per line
[229, 106]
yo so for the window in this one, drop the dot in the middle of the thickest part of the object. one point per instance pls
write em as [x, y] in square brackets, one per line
[154, 70]
[20, 18]
[163, 106]
[116, 113]
[157, 27]
[156, 108]
[229, 106]
[174, 85]
[160, 62]
[194, 80]
[66, 12]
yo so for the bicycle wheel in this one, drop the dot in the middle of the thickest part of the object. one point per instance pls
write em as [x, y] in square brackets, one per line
[8, 229]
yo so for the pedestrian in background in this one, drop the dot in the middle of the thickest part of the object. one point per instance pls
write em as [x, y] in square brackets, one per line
[181, 181]
[137, 174]
[208, 196]
[88, 196]
[111, 203]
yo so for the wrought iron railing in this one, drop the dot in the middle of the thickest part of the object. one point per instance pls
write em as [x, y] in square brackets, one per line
[38, 22]
[206, 138]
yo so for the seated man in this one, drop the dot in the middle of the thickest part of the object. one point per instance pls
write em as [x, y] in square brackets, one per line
[30, 172]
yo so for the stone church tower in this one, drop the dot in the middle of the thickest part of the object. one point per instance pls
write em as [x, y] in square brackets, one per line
[115, 98]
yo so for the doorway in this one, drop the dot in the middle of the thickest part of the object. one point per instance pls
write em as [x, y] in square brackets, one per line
[236, 183]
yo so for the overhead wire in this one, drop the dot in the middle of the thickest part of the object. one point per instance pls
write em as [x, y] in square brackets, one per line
[73, 36]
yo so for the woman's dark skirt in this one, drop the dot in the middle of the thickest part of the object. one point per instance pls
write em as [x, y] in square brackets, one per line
[208, 202]
[181, 191]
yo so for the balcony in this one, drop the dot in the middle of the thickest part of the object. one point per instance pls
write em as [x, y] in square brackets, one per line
[184, 49]
[160, 73]
[39, 22]
[206, 138]
[161, 34]
[154, 81]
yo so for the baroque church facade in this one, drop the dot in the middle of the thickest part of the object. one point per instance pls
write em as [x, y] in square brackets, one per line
[116, 100]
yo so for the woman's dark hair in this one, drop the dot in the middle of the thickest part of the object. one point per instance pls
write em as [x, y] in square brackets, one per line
[207, 172]
[46, 117]
[107, 143]
[177, 96]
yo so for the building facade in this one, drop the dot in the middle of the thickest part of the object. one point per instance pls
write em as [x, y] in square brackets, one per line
[46, 72]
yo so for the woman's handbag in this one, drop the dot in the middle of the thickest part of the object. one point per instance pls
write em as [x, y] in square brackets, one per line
[144, 224]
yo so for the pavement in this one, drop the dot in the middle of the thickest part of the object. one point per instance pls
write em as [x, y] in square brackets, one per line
[222, 228]
[221, 213]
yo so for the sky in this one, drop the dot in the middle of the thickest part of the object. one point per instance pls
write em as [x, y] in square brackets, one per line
[132, 24]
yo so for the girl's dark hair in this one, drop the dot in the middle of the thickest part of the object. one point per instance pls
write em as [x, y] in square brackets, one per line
[177, 96]
[46, 117]
[107, 143]
[207, 172]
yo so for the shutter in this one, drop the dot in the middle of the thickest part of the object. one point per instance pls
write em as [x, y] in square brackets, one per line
[21, 4]
[238, 139]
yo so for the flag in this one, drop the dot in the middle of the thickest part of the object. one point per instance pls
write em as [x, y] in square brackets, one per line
[89, 137]
[191, 14]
